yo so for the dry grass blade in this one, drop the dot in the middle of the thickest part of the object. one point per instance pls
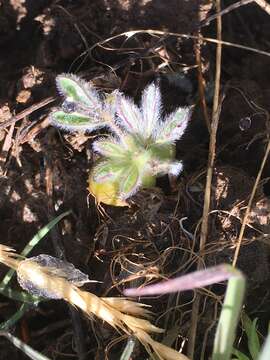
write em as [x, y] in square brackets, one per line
[152, 32]
[264, 5]
[201, 83]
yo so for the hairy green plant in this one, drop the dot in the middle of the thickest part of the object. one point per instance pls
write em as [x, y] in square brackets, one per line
[142, 144]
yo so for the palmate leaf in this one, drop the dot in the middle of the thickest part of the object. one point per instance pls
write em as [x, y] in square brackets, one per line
[77, 90]
[130, 181]
[109, 148]
[76, 121]
[151, 108]
[173, 126]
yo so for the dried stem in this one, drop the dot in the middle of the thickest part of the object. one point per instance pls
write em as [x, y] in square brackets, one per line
[207, 197]
[201, 83]
[264, 5]
[244, 223]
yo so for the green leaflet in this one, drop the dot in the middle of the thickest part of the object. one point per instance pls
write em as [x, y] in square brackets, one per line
[106, 171]
[129, 114]
[75, 89]
[70, 119]
[151, 109]
[162, 151]
[109, 148]
[174, 125]
[130, 181]
[75, 121]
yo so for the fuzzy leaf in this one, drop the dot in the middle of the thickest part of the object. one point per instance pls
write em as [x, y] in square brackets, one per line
[175, 168]
[109, 148]
[130, 181]
[162, 151]
[174, 126]
[151, 107]
[106, 171]
[76, 121]
[128, 114]
[77, 90]
[159, 168]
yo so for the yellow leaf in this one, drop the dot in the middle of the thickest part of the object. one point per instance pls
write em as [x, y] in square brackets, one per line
[106, 192]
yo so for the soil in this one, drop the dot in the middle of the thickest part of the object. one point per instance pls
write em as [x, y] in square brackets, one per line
[43, 171]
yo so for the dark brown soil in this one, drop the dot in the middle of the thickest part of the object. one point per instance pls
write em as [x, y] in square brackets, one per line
[43, 172]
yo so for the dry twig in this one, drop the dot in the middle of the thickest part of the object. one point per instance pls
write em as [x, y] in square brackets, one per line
[252, 195]
[207, 196]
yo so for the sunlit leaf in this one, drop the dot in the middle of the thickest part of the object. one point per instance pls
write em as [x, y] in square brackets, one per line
[106, 192]
[77, 90]
[162, 151]
[106, 171]
[173, 126]
[109, 148]
[170, 167]
[76, 121]
[135, 142]
[175, 168]
[128, 114]
[130, 181]
[151, 108]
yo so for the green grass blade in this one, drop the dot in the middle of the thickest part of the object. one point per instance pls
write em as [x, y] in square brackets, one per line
[30, 352]
[252, 335]
[32, 243]
[239, 355]
[42, 232]
[12, 321]
[19, 295]
[225, 333]
[265, 354]
[126, 354]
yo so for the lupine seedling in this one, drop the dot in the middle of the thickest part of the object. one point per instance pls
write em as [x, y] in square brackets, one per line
[141, 146]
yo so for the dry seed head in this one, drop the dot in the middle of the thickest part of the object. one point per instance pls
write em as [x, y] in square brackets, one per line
[163, 352]
[9, 257]
[128, 306]
[40, 280]
[118, 312]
